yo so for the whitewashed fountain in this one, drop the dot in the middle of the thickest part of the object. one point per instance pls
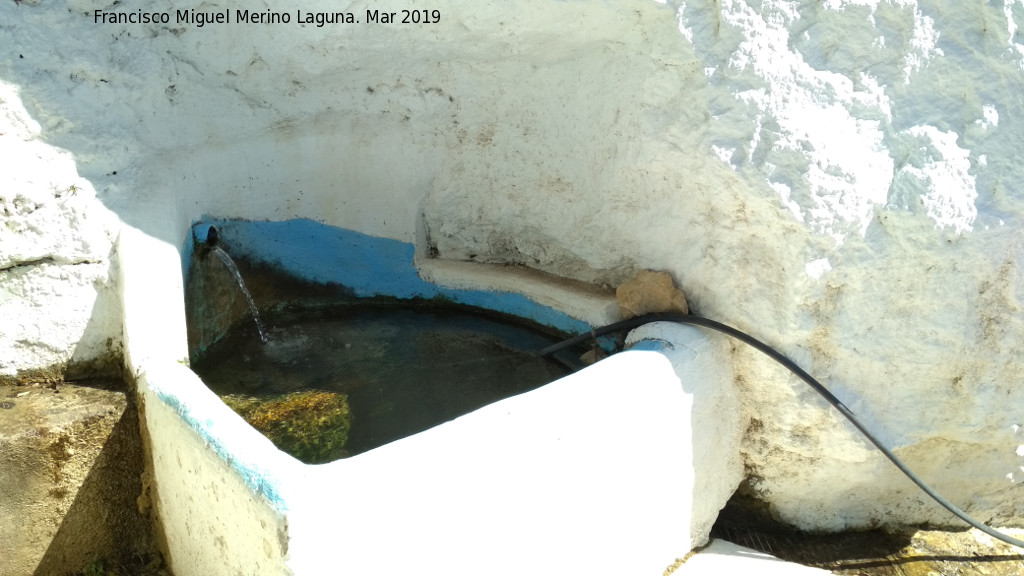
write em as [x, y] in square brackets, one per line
[838, 178]
[610, 470]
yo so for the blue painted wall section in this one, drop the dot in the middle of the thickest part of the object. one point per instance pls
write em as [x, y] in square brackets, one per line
[368, 265]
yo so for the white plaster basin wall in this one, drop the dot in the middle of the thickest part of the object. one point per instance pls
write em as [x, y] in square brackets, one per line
[215, 482]
[618, 469]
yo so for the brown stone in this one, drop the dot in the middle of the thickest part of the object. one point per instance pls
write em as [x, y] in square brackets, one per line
[70, 462]
[593, 356]
[650, 292]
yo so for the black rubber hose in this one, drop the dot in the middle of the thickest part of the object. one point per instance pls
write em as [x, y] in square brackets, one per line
[792, 367]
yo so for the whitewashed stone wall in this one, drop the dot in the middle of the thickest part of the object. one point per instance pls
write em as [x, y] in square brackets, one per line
[839, 178]
[57, 301]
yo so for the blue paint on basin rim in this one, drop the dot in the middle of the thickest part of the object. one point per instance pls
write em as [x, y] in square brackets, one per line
[368, 265]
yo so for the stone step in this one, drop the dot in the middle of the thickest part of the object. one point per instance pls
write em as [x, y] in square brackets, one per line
[71, 476]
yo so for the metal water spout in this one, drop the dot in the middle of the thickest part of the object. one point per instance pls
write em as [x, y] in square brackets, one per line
[212, 237]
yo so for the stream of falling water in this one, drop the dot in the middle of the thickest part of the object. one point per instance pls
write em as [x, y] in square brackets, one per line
[241, 284]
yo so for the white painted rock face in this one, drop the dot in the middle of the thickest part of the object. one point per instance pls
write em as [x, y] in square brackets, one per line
[838, 178]
[56, 294]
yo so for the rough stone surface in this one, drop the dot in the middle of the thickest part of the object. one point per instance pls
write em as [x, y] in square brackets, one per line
[57, 299]
[214, 300]
[650, 291]
[72, 459]
[841, 179]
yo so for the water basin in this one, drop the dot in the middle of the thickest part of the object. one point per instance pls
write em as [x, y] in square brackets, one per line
[403, 368]
[606, 459]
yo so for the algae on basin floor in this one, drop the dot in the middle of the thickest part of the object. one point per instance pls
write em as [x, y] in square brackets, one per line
[311, 425]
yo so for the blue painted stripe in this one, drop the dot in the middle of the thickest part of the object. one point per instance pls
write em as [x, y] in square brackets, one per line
[368, 265]
[263, 481]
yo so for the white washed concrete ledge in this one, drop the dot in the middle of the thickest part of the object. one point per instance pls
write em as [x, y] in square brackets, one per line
[618, 469]
[592, 474]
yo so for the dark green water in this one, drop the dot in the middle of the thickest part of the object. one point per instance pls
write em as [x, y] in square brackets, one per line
[404, 370]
